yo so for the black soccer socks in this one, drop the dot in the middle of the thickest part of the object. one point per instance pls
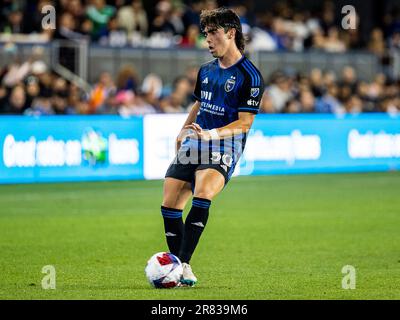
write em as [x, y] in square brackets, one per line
[173, 226]
[194, 226]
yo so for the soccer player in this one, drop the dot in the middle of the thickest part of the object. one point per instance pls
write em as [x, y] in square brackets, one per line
[228, 93]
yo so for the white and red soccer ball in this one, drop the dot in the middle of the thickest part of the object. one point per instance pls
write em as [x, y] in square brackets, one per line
[164, 270]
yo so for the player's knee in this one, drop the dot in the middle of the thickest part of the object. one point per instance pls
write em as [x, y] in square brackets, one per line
[204, 194]
[175, 200]
[169, 203]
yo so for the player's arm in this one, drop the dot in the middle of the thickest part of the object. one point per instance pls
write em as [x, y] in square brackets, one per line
[189, 120]
[242, 125]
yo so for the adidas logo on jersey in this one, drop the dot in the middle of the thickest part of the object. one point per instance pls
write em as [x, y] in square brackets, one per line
[205, 81]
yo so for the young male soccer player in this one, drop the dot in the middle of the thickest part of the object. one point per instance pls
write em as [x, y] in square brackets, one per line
[228, 92]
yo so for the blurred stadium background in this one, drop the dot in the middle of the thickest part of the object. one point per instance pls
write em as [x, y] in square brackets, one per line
[102, 96]
[138, 57]
[137, 63]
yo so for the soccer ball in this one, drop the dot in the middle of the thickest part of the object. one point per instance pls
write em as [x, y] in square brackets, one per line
[164, 270]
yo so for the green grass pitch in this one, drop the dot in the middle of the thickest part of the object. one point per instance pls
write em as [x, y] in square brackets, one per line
[274, 237]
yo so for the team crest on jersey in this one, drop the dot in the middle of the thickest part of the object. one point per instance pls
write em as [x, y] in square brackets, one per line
[230, 84]
[254, 92]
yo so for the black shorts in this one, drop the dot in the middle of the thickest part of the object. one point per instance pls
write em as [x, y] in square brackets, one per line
[219, 161]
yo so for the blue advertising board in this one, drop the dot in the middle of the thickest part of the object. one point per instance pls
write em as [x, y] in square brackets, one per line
[70, 148]
[322, 143]
[84, 148]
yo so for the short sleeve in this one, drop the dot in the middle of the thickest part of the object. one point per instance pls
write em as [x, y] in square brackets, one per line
[251, 92]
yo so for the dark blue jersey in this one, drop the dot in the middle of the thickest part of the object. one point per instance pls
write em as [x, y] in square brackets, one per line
[223, 93]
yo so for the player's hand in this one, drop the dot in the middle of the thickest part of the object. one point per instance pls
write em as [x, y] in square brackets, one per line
[188, 131]
[194, 126]
[198, 132]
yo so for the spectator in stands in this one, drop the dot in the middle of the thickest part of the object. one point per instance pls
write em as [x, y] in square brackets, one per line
[100, 92]
[32, 89]
[193, 38]
[179, 99]
[59, 99]
[77, 100]
[376, 43]
[151, 92]
[210, 4]
[292, 106]
[17, 69]
[286, 27]
[318, 40]
[192, 13]
[45, 82]
[77, 10]
[394, 41]
[267, 105]
[133, 19]
[333, 43]
[127, 79]
[307, 101]
[328, 16]
[161, 23]
[279, 91]
[260, 38]
[329, 102]
[349, 79]
[279, 35]
[67, 28]
[353, 38]
[3, 98]
[329, 78]
[113, 36]
[33, 19]
[16, 103]
[86, 28]
[354, 105]
[41, 106]
[131, 104]
[242, 12]
[99, 14]
[391, 101]
[14, 23]
[316, 82]
[176, 18]
[298, 31]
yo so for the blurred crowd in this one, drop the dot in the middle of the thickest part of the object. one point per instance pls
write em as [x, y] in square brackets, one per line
[287, 26]
[31, 88]
[325, 92]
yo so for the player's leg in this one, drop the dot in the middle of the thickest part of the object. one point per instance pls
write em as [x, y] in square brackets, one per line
[209, 182]
[176, 194]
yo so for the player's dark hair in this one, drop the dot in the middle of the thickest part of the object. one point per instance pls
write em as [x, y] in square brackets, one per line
[223, 18]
